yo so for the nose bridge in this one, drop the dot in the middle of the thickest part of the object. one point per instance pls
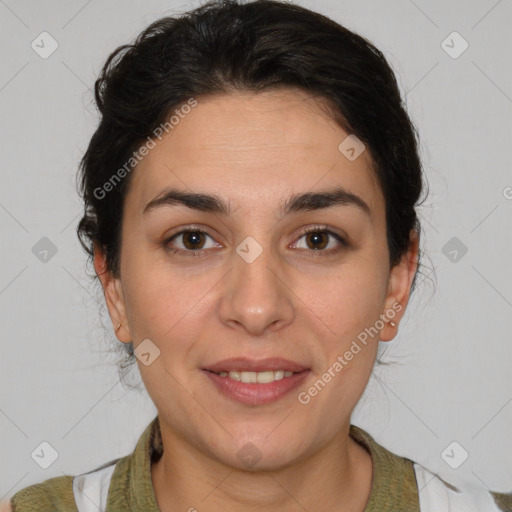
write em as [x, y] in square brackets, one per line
[255, 296]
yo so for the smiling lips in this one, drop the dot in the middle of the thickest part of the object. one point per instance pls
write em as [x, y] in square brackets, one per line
[256, 382]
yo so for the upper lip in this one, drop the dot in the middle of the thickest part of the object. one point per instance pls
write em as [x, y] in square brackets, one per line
[239, 364]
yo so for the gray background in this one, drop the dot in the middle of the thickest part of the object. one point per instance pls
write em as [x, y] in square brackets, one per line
[454, 350]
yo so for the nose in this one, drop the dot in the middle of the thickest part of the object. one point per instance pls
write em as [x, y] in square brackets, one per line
[256, 297]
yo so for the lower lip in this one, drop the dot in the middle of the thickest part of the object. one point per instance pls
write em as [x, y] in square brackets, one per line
[254, 393]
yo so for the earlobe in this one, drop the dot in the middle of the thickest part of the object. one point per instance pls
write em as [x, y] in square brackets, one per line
[113, 293]
[392, 316]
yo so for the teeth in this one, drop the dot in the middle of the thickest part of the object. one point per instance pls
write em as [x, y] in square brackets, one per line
[259, 377]
[278, 375]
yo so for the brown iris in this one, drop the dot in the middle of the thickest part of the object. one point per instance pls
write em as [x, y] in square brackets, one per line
[194, 237]
[316, 238]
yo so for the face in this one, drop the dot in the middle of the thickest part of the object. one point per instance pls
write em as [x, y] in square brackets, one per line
[240, 285]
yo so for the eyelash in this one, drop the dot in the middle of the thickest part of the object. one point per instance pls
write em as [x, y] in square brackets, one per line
[311, 229]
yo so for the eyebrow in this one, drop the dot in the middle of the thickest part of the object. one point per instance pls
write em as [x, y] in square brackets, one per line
[296, 203]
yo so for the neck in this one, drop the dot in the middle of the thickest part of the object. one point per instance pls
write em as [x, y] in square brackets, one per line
[186, 479]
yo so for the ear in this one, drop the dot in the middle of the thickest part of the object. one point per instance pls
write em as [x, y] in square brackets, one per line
[399, 288]
[113, 292]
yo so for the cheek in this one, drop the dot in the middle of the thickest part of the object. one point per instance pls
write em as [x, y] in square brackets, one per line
[165, 305]
[349, 300]
[349, 305]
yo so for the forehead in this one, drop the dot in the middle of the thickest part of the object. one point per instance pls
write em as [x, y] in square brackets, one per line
[260, 147]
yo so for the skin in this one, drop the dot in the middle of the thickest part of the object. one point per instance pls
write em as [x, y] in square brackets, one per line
[255, 150]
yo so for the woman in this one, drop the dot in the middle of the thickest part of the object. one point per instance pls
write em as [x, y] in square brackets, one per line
[250, 207]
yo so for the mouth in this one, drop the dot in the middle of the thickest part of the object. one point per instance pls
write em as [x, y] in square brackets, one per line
[256, 382]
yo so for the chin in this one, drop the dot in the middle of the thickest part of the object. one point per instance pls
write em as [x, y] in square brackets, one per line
[258, 453]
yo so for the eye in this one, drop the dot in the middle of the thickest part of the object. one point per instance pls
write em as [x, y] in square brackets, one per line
[189, 242]
[321, 240]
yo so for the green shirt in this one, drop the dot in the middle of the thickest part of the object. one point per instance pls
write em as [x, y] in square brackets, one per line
[394, 486]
